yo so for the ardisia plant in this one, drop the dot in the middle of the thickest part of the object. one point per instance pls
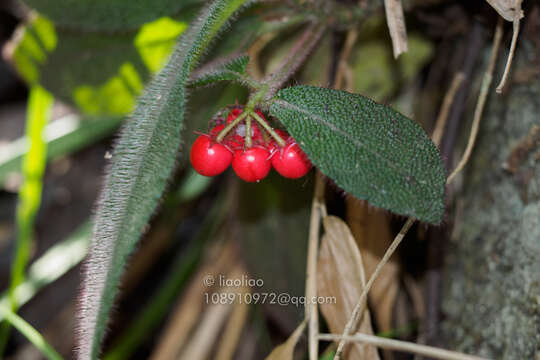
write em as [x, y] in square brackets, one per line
[369, 150]
[251, 145]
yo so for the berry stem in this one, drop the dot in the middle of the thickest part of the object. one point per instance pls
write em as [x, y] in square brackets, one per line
[256, 98]
[249, 82]
[248, 132]
[229, 126]
[268, 128]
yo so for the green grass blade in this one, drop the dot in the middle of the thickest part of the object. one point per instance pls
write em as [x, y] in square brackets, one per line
[142, 161]
[38, 114]
[30, 333]
[54, 263]
[63, 136]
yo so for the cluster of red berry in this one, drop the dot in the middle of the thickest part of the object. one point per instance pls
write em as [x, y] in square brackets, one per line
[252, 158]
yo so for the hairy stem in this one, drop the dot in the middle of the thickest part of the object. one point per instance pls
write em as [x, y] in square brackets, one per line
[295, 59]
[248, 132]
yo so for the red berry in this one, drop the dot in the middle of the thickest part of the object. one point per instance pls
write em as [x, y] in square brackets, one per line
[216, 130]
[234, 114]
[291, 162]
[251, 165]
[273, 145]
[257, 135]
[209, 158]
[256, 131]
[235, 142]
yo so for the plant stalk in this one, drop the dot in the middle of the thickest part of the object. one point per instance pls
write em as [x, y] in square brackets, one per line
[228, 128]
[268, 128]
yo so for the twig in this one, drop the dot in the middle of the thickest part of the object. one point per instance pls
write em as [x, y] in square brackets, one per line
[510, 55]
[440, 124]
[350, 40]
[438, 238]
[318, 209]
[359, 308]
[469, 57]
[296, 57]
[405, 346]
[232, 333]
[396, 25]
[486, 82]
[254, 68]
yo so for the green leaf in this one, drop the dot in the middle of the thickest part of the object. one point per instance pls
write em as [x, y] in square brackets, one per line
[33, 166]
[145, 322]
[370, 150]
[101, 75]
[142, 161]
[30, 333]
[228, 70]
[49, 267]
[106, 15]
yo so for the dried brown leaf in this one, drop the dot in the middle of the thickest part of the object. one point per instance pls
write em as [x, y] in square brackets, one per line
[371, 231]
[340, 274]
[233, 330]
[189, 309]
[208, 331]
[210, 327]
[285, 351]
[510, 10]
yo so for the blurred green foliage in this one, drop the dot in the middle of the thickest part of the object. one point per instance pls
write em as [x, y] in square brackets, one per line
[101, 75]
[107, 15]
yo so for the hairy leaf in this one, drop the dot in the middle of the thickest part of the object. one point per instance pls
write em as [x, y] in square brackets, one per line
[370, 150]
[106, 15]
[141, 163]
[229, 70]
